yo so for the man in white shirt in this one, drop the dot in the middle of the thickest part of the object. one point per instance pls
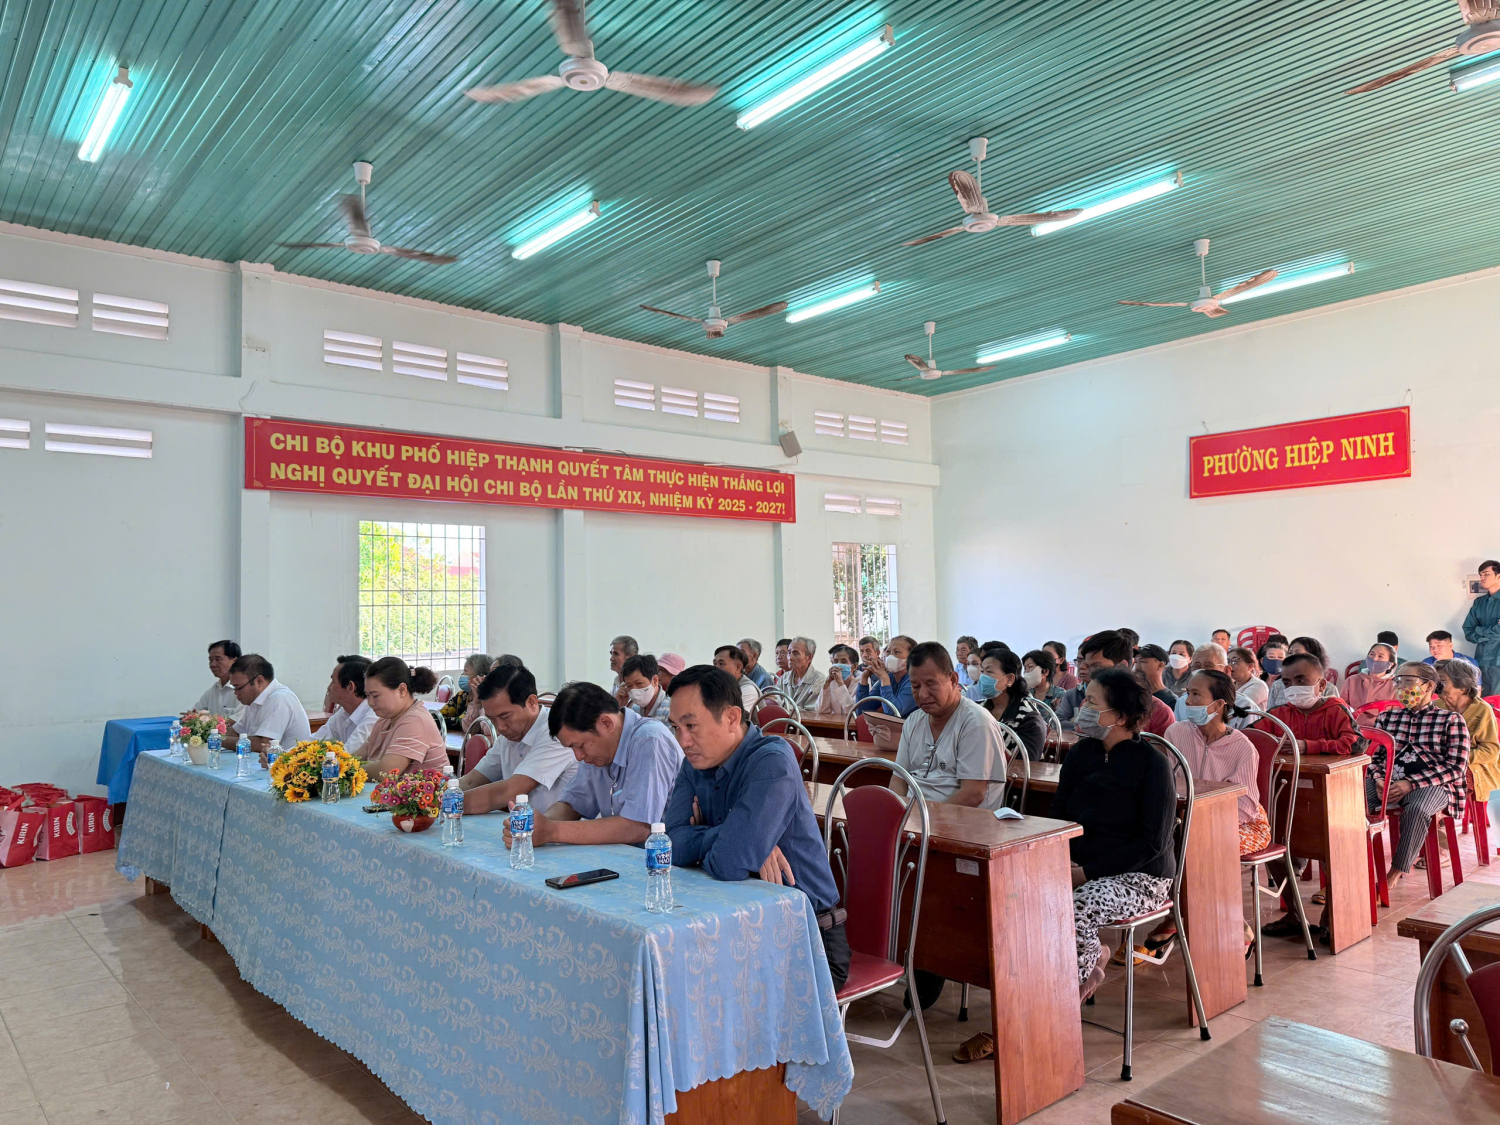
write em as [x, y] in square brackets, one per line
[525, 757]
[951, 745]
[273, 713]
[805, 683]
[352, 718]
[219, 698]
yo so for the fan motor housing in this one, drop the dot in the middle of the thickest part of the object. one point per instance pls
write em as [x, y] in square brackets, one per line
[583, 74]
[361, 245]
[978, 224]
[1480, 38]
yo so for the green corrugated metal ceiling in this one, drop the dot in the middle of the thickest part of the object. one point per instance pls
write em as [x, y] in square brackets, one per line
[246, 116]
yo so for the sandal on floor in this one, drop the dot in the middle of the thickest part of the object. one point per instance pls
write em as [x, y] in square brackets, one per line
[981, 1046]
[1319, 898]
[1161, 938]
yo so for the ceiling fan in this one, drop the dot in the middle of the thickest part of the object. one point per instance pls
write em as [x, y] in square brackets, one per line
[977, 216]
[1480, 36]
[581, 71]
[715, 322]
[359, 240]
[1208, 302]
[929, 369]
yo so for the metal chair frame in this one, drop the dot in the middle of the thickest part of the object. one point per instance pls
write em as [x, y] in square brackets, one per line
[810, 749]
[1173, 909]
[904, 870]
[789, 705]
[881, 704]
[547, 698]
[438, 688]
[483, 728]
[1279, 783]
[1054, 724]
[1447, 948]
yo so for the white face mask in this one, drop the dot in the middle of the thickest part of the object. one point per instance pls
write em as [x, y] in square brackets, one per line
[1299, 695]
[1178, 662]
[641, 696]
[893, 664]
[973, 673]
[1033, 677]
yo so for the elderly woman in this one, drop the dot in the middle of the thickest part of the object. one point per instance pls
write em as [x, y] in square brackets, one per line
[1375, 682]
[1459, 690]
[405, 735]
[1244, 673]
[462, 707]
[1215, 752]
[1430, 773]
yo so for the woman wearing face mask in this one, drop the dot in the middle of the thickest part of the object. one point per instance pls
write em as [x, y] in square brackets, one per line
[837, 696]
[1003, 694]
[1120, 790]
[1270, 655]
[1430, 774]
[1175, 675]
[1458, 687]
[1244, 672]
[1376, 680]
[1217, 753]
[1039, 669]
[462, 707]
[638, 676]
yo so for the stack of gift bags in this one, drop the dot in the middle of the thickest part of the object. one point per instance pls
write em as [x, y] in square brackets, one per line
[40, 821]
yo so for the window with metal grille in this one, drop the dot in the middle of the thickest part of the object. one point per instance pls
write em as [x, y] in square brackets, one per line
[893, 432]
[102, 441]
[721, 408]
[420, 360]
[864, 592]
[130, 316]
[882, 506]
[350, 349]
[483, 371]
[38, 304]
[679, 400]
[15, 433]
[827, 423]
[635, 396]
[862, 428]
[421, 592]
[837, 502]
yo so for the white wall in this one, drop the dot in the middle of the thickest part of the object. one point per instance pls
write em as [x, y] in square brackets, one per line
[1065, 509]
[119, 572]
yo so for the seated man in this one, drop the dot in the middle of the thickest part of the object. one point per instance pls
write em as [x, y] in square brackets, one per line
[887, 677]
[751, 648]
[627, 765]
[731, 661]
[621, 649]
[1206, 658]
[738, 808]
[273, 713]
[783, 665]
[963, 648]
[1220, 637]
[1439, 644]
[951, 745]
[219, 698]
[525, 757]
[1150, 663]
[668, 664]
[352, 718]
[806, 681]
[638, 678]
[1110, 649]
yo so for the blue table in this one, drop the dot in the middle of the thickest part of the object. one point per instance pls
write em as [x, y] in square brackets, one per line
[477, 993]
[124, 740]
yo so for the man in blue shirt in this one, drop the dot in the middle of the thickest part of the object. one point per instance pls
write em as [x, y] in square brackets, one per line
[625, 771]
[1482, 626]
[751, 648]
[887, 677]
[739, 808]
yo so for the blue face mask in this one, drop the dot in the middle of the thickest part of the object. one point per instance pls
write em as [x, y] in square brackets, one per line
[987, 686]
[1272, 665]
[1179, 709]
[842, 670]
[463, 683]
[1195, 713]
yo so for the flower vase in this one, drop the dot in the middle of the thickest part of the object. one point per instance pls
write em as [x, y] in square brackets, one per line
[411, 822]
[197, 752]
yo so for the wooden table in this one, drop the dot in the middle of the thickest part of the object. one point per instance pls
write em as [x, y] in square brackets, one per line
[997, 912]
[1450, 998]
[1212, 885]
[1330, 828]
[1284, 1073]
[826, 726]
[316, 719]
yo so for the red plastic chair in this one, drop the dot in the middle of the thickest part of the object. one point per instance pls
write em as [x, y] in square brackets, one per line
[1431, 854]
[767, 711]
[1483, 985]
[873, 858]
[445, 689]
[481, 738]
[1350, 669]
[1371, 709]
[1476, 817]
[1333, 676]
[1253, 636]
[1378, 832]
[1274, 780]
[856, 716]
[1494, 702]
[800, 739]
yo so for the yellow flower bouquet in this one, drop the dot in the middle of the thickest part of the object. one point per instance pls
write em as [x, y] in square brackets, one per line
[297, 775]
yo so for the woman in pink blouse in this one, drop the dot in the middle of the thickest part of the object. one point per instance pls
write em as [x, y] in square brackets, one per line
[405, 736]
[1217, 753]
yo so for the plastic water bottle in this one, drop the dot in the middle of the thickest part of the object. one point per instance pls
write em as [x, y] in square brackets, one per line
[521, 819]
[272, 753]
[330, 778]
[453, 815]
[215, 748]
[172, 740]
[242, 751]
[658, 870]
[182, 741]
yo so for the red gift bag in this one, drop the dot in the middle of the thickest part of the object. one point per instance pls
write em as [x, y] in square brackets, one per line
[96, 829]
[59, 834]
[20, 830]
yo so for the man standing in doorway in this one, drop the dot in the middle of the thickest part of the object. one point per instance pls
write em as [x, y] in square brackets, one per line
[1482, 626]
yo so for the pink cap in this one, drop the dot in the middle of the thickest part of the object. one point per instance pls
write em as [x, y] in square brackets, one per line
[670, 663]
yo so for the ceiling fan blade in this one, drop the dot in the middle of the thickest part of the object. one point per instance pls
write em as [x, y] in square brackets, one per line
[419, 255]
[1031, 218]
[1411, 68]
[570, 29]
[1249, 283]
[971, 370]
[1156, 304]
[934, 237]
[312, 245]
[765, 310]
[966, 187]
[1217, 310]
[916, 361]
[673, 91]
[353, 208]
[516, 91]
[665, 312]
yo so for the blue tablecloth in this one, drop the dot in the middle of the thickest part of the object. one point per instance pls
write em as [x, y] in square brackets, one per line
[477, 993]
[124, 739]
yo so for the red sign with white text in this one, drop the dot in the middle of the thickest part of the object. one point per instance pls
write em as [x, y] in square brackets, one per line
[343, 461]
[1375, 445]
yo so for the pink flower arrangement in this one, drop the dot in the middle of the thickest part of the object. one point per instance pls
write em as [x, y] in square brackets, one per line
[200, 724]
[415, 792]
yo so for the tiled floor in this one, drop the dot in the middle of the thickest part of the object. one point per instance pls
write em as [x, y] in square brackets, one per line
[114, 1008]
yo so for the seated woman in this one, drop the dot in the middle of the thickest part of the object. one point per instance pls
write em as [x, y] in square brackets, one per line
[1375, 682]
[1216, 753]
[1244, 671]
[837, 694]
[1175, 675]
[1039, 667]
[1120, 790]
[1458, 688]
[1002, 692]
[405, 736]
[1065, 679]
[1430, 774]
[463, 709]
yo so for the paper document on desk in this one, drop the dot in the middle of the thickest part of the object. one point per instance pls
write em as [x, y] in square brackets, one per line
[1008, 814]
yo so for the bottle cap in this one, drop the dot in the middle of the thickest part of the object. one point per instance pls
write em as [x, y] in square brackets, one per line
[522, 799]
[658, 827]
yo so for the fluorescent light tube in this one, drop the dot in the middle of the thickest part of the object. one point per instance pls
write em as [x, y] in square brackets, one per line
[1114, 203]
[848, 297]
[1469, 77]
[558, 233]
[105, 117]
[1024, 345]
[810, 84]
[1292, 281]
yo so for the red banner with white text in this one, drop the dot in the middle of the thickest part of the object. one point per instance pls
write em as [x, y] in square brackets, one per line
[1375, 445]
[344, 461]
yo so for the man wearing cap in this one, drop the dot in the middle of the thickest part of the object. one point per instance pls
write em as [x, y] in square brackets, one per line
[668, 664]
[1150, 662]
